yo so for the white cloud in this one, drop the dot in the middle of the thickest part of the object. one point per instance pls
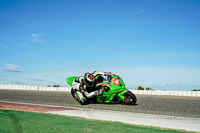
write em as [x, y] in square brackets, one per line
[11, 68]
[36, 38]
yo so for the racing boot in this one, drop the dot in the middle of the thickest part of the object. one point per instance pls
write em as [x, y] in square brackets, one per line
[80, 98]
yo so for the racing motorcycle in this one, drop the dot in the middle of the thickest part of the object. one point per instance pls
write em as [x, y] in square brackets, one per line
[114, 91]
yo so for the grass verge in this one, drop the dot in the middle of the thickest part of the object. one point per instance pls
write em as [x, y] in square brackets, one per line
[13, 121]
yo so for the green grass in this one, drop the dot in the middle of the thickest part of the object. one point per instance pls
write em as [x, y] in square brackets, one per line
[12, 121]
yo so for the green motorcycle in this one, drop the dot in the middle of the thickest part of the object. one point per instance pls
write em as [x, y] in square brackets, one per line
[114, 91]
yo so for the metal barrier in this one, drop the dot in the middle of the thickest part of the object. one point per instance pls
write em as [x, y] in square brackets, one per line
[144, 92]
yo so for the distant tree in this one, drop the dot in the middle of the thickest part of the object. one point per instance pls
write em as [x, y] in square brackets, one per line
[49, 86]
[140, 88]
[148, 88]
[56, 85]
[196, 90]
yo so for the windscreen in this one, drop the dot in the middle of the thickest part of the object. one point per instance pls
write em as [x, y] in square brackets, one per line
[107, 78]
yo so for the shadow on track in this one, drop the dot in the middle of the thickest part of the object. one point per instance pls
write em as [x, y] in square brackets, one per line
[97, 103]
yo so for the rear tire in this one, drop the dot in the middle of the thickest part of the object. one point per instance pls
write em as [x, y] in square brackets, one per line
[130, 98]
[73, 93]
[82, 102]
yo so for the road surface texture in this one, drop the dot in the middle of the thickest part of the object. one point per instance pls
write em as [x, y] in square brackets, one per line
[176, 106]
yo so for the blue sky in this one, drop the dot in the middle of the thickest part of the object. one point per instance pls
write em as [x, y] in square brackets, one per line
[152, 43]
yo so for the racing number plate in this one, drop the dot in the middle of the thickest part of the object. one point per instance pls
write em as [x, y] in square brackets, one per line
[116, 81]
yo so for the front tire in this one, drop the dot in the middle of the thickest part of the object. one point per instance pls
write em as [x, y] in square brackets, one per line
[130, 98]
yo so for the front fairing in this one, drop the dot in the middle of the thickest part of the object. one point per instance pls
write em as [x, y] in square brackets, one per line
[117, 87]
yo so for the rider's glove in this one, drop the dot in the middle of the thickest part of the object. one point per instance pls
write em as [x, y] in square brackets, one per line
[99, 92]
[106, 88]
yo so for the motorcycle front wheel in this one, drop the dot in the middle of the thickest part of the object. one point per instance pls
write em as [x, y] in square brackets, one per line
[130, 98]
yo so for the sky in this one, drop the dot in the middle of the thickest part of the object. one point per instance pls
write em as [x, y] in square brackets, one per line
[148, 43]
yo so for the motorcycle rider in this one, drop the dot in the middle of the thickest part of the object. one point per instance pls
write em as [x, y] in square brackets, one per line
[88, 86]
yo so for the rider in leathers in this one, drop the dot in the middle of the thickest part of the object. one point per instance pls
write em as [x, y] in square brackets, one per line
[88, 86]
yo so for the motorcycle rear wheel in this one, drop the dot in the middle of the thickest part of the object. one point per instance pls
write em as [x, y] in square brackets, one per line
[130, 98]
[82, 102]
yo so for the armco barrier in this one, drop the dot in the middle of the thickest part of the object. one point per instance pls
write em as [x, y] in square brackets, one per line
[28, 87]
[144, 92]
[172, 93]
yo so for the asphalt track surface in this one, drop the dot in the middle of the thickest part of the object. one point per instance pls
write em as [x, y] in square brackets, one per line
[147, 104]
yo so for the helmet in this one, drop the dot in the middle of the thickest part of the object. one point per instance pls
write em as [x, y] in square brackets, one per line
[89, 79]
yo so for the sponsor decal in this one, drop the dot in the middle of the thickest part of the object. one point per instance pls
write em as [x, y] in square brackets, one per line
[106, 84]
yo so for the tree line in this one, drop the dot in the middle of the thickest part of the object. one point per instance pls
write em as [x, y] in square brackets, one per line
[53, 86]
